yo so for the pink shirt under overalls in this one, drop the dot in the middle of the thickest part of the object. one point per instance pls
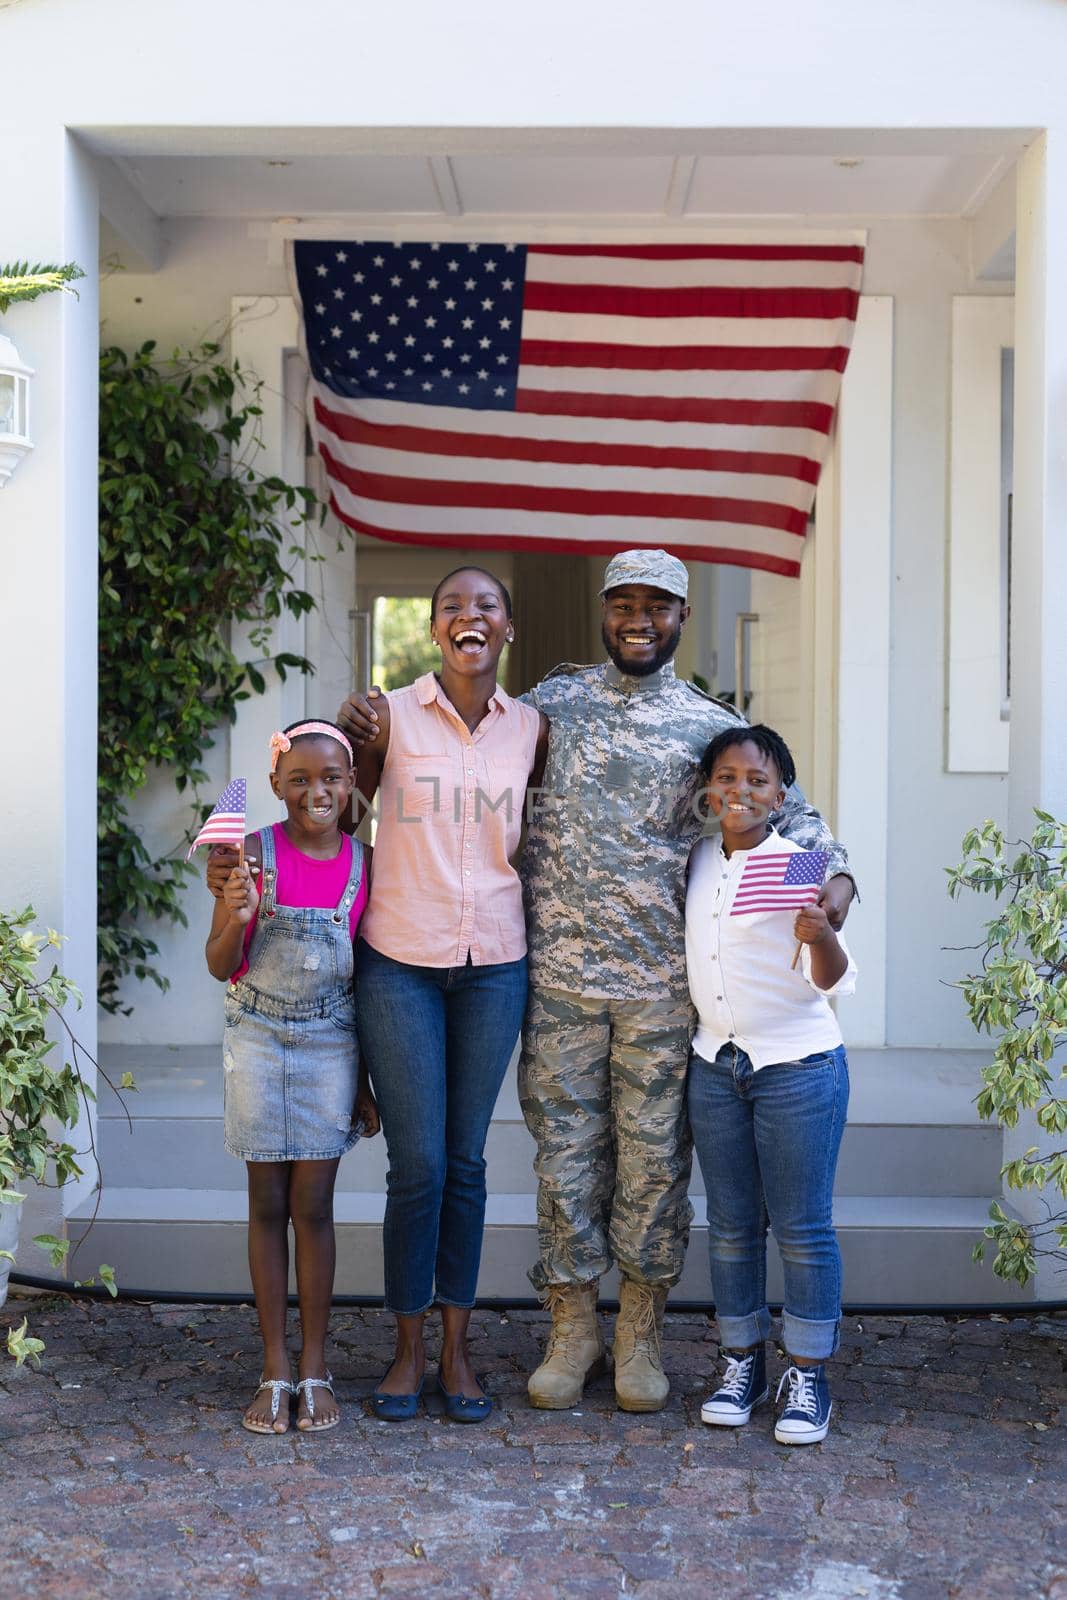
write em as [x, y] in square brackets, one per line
[451, 807]
[304, 881]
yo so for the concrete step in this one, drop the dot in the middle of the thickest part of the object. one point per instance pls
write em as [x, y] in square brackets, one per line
[912, 1129]
[897, 1250]
[916, 1173]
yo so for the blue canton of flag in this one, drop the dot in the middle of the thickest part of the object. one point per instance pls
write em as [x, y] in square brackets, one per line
[426, 322]
[807, 866]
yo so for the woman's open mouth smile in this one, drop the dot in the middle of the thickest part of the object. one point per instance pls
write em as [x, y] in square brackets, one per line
[469, 641]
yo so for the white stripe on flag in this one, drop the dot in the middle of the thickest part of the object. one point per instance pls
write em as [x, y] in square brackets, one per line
[799, 387]
[569, 528]
[637, 273]
[743, 332]
[806, 442]
[772, 489]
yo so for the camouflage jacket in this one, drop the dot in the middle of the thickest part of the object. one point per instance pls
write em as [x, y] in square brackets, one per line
[608, 842]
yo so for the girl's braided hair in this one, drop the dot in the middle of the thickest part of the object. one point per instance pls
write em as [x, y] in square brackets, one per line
[767, 742]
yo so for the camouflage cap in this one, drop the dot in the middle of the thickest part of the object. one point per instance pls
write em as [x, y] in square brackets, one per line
[656, 568]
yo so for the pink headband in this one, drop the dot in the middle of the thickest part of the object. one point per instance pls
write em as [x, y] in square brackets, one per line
[281, 742]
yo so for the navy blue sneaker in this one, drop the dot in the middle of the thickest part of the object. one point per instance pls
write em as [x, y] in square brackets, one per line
[744, 1386]
[805, 1418]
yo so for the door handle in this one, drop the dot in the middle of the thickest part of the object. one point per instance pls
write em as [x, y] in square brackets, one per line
[362, 644]
[741, 638]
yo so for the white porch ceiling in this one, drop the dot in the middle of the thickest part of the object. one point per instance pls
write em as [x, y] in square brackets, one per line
[632, 186]
[637, 175]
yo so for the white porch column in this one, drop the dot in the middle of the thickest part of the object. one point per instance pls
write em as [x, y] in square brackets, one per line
[264, 332]
[1038, 774]
[48, 610]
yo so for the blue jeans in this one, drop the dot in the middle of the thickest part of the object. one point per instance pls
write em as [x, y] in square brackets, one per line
[767, 1143]
[437, 1042]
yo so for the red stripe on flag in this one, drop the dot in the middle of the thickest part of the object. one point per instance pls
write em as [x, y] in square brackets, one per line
[618, 300]
[571, 502]
[683, 357]
[506, 540]
[678, 408]
[707, 252]
[492, 447]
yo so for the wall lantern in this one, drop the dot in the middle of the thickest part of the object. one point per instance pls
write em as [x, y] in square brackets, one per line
[15, 438]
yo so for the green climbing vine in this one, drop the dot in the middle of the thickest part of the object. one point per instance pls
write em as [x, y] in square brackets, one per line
[192, 540]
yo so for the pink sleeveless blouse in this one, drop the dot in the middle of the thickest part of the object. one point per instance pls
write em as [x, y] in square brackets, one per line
[450, 814]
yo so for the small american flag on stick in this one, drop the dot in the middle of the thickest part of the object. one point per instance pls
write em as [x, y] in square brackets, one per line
[784, 882]
[226, 824]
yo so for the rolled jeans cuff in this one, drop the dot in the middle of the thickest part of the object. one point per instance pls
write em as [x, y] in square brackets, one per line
[399, 1311]
[741, 1333]
[815, 1341]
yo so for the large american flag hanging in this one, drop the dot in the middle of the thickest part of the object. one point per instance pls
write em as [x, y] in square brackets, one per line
[583, 398]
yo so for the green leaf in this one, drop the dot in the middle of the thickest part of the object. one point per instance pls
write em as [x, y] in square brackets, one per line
[192, 540]
[57, 1248]
[22, 1347]
[20, 281]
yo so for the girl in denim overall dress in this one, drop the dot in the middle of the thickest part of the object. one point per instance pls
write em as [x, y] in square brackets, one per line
[295, 1096]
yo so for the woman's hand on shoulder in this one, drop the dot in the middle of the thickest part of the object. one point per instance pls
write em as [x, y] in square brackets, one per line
[363, 716]
[221, 860]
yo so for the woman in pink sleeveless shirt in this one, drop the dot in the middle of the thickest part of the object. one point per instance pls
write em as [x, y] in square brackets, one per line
[441, 968]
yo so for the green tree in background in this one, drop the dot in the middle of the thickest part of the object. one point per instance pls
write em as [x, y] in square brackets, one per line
[402, 648]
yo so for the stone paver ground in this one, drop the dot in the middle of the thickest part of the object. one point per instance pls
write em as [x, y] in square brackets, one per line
[123, 1472]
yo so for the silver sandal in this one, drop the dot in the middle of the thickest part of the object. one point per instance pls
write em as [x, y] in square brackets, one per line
[309, 1385]
[277, 1387]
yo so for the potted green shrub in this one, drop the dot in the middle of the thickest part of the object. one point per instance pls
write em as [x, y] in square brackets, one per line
[1019, 997]
[40, 1099]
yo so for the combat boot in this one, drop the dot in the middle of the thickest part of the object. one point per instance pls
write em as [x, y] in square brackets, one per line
[576, 1352]
[640, 1382]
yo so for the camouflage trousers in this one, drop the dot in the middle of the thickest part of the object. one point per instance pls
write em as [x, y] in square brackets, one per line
[602, 1088]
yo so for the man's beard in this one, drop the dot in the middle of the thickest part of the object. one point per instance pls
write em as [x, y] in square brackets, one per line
[643, 669]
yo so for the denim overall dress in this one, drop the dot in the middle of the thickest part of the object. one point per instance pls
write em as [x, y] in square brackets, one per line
[289, 1048]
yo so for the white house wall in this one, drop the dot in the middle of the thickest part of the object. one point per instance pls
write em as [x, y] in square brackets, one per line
[607, 63]
[922, 264]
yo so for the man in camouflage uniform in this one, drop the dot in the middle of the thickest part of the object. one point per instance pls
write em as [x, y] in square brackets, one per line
[606, 1042]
